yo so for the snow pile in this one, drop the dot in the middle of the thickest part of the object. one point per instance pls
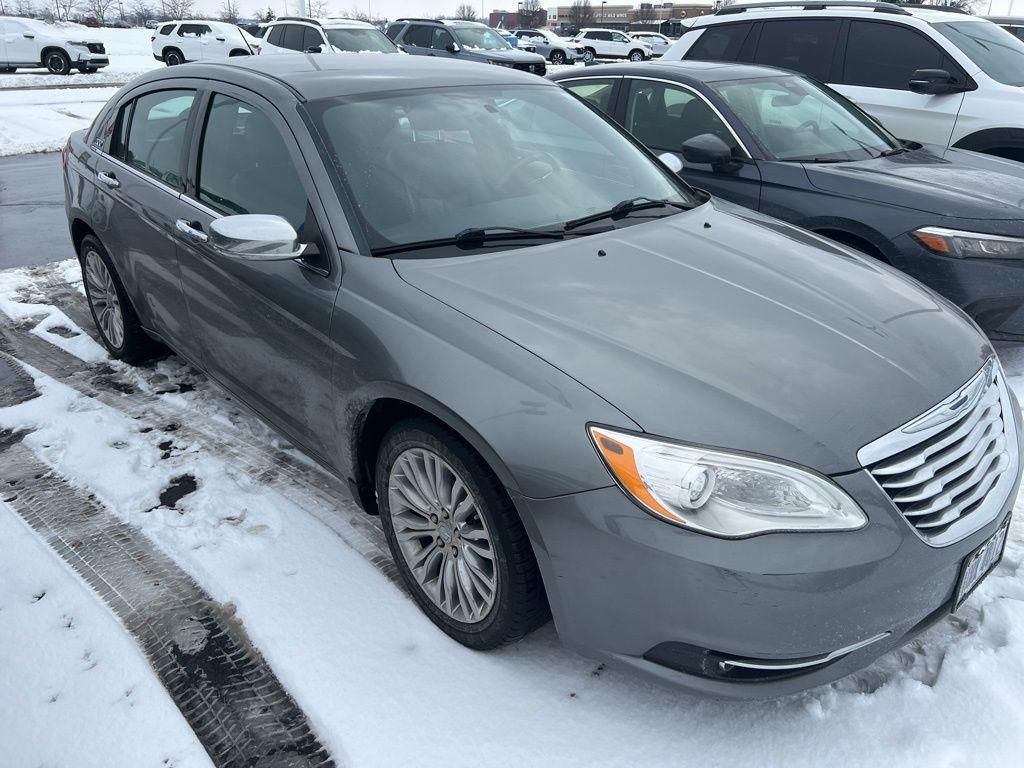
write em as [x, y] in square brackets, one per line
[383, 687]
[41, 121]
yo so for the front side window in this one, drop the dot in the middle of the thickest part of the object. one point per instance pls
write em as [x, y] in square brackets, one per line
[441, 40]
[597, 92]
[193, 30]
[359, 41]
[794, 119]
[481, 38]
[664, 116]
[803, 45]
[245, 166]
[719, 43]
[999, 53]
[311, 39]
[156, 135]
[880, 55]
[618, 37]
[427, 165]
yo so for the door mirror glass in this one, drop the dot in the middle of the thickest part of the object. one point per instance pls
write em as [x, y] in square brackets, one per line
[452, 47]
[708, 149]
[314, 49]
[255, 237]
[933, 82]
[671, 162]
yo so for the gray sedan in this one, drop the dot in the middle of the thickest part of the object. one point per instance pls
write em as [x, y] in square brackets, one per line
[715, 447]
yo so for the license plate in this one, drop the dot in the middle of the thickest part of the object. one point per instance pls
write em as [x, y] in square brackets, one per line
[978, 564]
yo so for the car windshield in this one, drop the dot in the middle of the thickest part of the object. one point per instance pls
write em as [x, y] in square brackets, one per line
[999, 53]
[360, 41]
[481, 38]
[430, 164]
[795, 119]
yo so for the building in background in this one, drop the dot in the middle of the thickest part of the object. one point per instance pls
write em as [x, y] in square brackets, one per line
[666, 18]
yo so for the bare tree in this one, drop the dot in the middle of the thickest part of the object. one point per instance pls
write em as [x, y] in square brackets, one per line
[178, 9]
[64, 9]
[98, 9]
[466, 12]
[141, 11]
[229, 11]
[581, 14]
[317, 8]
[357, 13]
[532, 14]
[266, 16]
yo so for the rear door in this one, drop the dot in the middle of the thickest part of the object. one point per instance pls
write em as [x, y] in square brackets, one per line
[263, 326]
[138, 179]
[663, 115]
[880, 58]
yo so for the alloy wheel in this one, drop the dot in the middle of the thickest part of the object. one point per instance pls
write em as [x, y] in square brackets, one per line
[636, 56]
[442, 535]
[558, 57]
[106, 306]
[58, 64]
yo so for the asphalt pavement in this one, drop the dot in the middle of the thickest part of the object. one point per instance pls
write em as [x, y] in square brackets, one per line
[33, 229]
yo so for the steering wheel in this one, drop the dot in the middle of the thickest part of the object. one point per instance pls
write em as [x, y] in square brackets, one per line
[519, 165]
[812, 124]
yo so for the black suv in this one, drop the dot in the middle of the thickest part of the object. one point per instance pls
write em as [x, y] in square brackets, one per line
[466, 40]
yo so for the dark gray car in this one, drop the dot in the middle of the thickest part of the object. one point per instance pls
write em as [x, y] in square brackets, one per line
[462, 40]
[715, 447]
[792, 148]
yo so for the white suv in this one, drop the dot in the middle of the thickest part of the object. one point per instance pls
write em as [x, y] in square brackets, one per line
[610, 44]
[928, 75]
[291, 34]
[657, 41]
[178, 42]
[30, 43]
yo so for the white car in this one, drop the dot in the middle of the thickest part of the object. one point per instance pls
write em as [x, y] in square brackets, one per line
[657, 41]
[926, 74]
[29, 43]
[555, 49]
[610, 44]
[178, 42]
[291, 34]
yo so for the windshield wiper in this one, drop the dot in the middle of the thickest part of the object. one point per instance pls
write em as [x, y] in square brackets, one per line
[894, 151]
[472, 238]
[625, 208]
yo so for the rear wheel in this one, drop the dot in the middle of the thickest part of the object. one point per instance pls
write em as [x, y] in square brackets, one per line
[58, 63]
[115, 318]
[173, 57]
[456, 538]
[557, 57]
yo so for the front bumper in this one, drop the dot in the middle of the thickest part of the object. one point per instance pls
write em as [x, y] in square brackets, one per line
[85, 58]
[990, 291]
[633, 591]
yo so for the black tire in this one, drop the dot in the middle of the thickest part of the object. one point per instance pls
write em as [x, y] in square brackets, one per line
[7, 70]
[136, 346]
[58, 63]
[557, 57]
[589, 54]
[88, 70]
[636, 55]
[173, 57]
[520, 605]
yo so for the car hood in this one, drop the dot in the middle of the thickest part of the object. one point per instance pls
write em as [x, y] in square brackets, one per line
[513, 55]
[722, 327]
[939, 180]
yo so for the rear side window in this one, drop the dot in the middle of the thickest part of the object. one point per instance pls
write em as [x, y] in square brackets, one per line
[597, 92]
[803, 45]
[275, 35]
[393, 30]
[245, 166]
[156, 134]
[292, 39]
[166, 29]
[598, 35]
[419, 35]
[720, 42]
[882, 55]
[193, 30]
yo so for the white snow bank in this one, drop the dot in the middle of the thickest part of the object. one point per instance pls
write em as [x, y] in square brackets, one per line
[74, 687]
[41, 121]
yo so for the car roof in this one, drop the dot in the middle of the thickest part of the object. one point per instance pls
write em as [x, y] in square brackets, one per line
[736, 13]
[688, 72]
[325, 23]
[311, 77]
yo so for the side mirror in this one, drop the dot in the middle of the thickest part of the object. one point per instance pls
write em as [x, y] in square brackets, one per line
[708, 149]
[255, 237]
[314, 49]
[452, 48]
[934, 82]
[671, 162]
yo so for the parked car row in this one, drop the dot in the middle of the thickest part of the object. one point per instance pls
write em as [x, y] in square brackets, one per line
[569, 382]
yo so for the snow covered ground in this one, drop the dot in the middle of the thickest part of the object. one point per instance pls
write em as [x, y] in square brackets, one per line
[380, 684]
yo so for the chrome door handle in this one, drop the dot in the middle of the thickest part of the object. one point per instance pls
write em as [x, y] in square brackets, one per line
[190, 232]
[107, 179]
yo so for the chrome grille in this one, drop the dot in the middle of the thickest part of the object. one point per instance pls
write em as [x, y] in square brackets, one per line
[950, 470]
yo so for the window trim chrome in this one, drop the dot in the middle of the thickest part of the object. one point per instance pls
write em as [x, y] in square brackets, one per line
[163, 186]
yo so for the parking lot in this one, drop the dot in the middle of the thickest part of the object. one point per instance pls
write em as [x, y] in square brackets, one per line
[181, 585]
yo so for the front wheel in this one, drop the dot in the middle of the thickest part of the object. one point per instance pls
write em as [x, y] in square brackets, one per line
[636, 56]
[58, 63]
[589, 55]
[115, 318]
[558, 57]
[456, 538]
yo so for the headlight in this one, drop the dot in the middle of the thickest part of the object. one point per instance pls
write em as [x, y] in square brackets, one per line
[970, 245]
[80, 45]
[723, 494]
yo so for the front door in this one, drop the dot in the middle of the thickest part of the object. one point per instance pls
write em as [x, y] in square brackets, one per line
[19, 43]
[664, 115]
[264, 325]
